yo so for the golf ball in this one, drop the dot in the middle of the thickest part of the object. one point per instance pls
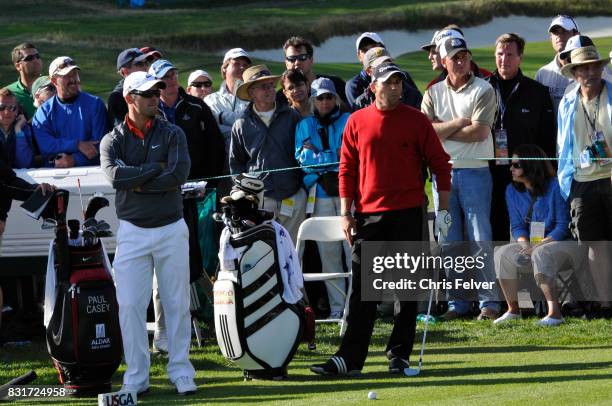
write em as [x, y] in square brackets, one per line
[372, 395]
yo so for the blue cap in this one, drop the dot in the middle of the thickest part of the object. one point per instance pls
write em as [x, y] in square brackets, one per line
[160, 67]
[321, 86]
[129, 55]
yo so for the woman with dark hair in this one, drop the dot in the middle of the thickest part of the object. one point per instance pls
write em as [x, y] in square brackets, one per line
[539, 219]
[295, 88]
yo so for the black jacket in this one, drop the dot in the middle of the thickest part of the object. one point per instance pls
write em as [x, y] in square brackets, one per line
[116, 106]
[204, 139]
[410, 95]
[11, 187]
[529, 117]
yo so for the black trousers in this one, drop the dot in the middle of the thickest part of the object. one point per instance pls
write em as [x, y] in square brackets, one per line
[401, 225]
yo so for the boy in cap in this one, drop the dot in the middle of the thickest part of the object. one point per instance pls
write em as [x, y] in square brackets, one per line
[42, 90]
[128, 61]
[561, 29]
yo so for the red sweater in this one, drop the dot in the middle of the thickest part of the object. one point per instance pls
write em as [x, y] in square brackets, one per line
[381, 156]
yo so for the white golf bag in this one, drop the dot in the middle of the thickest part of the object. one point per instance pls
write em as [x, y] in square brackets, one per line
[258, 312]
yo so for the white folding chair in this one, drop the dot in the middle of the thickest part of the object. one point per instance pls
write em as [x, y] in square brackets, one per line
[325, 229]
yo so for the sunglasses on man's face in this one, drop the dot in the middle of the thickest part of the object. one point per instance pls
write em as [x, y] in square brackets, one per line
[300, 57]
[325, 96]
[9, 107]
[516, 165]
[29, 58]
[140, 64]
[147, 94]
[205, 84]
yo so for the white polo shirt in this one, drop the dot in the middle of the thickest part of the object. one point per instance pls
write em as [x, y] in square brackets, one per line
[475, 100]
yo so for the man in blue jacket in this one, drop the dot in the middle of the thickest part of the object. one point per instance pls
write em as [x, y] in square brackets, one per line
[69, 126]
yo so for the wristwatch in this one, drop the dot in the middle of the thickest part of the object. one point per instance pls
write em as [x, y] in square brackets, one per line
[346, 214]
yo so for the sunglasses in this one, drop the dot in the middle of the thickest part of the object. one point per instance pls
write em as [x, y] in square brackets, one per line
[516, 165]
[325, 96]
[140, 64]
[147, 94]
[300, 57]
[9, 107]
[198, 85]
[29, 58]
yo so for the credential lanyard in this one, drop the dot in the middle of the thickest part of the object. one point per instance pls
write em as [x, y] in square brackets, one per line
[501, 103]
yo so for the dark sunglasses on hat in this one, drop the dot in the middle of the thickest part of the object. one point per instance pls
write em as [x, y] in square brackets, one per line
[300, 57]
[147, 94]
[198, 85]
[29, 58]
[325, 96]
[9, 107]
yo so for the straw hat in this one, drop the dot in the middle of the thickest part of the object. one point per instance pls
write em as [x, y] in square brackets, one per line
[251, 76]
[582, 56]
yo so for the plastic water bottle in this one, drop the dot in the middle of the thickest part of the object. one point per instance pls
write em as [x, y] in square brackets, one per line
[422, 317]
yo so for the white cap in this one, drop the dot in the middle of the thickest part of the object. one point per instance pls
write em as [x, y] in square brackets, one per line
[443, 35]
[196, 74]
[431, 44]
[62, 65]
[452, 46]
[564, 21]
[236, 53]
[371, 35]
[140, 81]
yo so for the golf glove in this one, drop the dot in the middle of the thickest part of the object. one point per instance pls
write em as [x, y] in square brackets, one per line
[442, 224]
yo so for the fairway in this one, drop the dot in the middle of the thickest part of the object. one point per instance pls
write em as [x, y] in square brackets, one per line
[466, 362]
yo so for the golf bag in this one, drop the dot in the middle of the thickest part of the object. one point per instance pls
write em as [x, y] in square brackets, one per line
[83, 332]
[256, 326]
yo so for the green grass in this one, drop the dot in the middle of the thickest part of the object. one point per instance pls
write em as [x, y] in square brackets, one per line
[465, 361]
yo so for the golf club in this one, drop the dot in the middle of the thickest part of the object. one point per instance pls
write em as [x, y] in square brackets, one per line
[416, 371]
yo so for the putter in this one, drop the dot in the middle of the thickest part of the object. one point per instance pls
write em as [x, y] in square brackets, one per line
[416, 371]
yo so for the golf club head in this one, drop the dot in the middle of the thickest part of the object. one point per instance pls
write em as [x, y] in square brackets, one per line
[412, 371]
[49, 224]
[104, 234]
[90, 222]
[94, 204]
[103, 226]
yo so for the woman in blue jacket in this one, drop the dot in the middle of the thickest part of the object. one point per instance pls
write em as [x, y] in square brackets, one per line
[317, 142]
[539, 219]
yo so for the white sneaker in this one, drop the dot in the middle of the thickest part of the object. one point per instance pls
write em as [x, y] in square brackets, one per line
[506, 317]
[160, 342]
[550, 322]
[140, 390]
[185, 386]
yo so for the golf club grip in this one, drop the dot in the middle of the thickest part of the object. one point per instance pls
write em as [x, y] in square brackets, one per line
[20, 380]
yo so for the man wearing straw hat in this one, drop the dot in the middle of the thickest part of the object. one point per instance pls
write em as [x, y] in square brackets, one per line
[263, 139]
[584, 139]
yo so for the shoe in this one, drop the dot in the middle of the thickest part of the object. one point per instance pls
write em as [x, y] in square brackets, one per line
[397, 365]
[452, 315]
[486, 313]
[507, 317]
[185, 386]
[134, 388]
[550, 322]
[335, 366]
[160, 342]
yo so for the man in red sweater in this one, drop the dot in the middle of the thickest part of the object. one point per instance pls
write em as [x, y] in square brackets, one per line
[380, 172]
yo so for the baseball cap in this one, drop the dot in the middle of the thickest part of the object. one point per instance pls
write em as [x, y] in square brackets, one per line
[432, 44]
[150, 51]
[451, 46]
[374, 53]
[140, 81]
[62, 65]
[160, 67]
[385, 70]
[443, 35]
[129, 55]
[236, 53]
[577, 41]
[321, 86]
[42, 81]
[564, 21]
[371, 35]
[196, 74]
